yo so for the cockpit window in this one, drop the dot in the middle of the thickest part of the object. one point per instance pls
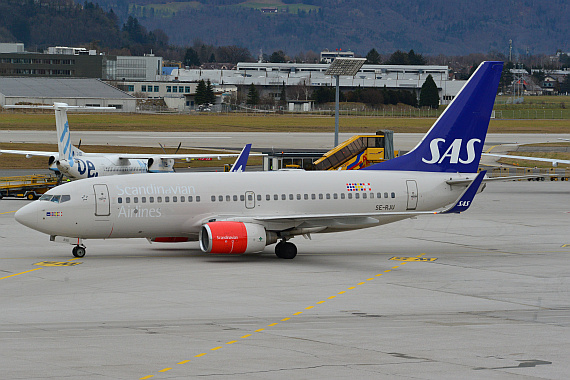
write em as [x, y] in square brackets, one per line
[55, 198]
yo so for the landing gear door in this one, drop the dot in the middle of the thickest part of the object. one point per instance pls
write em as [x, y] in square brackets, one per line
[412, 194]
[102, 204]
[249, 199]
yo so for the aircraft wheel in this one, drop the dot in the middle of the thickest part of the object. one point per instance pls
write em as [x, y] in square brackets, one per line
[285, 250]
[78, 251]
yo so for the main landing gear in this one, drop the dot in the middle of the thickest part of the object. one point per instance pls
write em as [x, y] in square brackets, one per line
[78, 251]
[285, 250]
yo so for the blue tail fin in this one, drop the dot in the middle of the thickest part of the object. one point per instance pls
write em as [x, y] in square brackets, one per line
[241, 161]
[455, 141]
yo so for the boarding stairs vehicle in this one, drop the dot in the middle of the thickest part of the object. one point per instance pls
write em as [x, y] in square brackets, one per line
[358, 152]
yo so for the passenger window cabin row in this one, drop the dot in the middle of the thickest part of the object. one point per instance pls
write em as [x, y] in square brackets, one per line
[166, 199]
[259, 198]
[284, 197]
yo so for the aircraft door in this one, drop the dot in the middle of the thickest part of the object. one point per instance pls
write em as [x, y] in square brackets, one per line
[412, 194]
[102, 204]
[249, 199]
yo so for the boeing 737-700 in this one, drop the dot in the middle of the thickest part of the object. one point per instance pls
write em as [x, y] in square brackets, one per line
[76, 164]
[236, 213]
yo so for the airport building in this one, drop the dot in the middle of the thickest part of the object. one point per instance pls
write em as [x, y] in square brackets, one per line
[73, 91]
[271, 77]
[70, 62]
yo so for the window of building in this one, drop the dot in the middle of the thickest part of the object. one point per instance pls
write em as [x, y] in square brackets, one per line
[168, 88]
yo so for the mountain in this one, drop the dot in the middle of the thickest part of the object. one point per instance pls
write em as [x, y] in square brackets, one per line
[427, 26]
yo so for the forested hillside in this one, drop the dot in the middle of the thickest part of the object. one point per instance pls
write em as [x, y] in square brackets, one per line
[430, 27]
[427, 26]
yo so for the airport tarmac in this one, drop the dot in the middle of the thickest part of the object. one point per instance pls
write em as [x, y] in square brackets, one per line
[484, 294]
[237, 140]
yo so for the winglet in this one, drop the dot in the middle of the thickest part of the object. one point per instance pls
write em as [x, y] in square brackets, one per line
[241, 161]
[466, 198]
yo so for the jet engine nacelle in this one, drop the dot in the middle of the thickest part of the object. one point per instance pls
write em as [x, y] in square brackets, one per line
[63, 166]
[234, 237]
[157, 165]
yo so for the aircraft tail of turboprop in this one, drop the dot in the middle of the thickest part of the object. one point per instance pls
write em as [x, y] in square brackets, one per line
[65, 149]
[455, 141]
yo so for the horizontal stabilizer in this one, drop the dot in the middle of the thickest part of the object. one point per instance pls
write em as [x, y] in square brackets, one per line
[464, 201]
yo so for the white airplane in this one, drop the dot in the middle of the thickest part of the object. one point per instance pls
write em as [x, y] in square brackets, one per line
[233, 213]
[554, 161]
[76, 164]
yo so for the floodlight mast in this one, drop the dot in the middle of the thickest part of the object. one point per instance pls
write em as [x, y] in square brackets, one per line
[342, 66]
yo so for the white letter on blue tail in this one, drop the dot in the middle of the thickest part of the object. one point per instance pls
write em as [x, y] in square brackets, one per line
[433, 145]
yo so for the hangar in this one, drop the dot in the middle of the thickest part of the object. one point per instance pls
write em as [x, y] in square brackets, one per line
[73, 91]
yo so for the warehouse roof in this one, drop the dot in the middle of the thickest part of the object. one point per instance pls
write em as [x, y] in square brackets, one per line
[59, 87]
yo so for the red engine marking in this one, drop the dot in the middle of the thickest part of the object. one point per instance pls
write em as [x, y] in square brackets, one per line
[228, 237]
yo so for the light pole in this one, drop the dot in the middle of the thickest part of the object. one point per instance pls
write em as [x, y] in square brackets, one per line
[342, 66]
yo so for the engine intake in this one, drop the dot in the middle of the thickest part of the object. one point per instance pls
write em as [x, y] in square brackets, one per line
[234, 237]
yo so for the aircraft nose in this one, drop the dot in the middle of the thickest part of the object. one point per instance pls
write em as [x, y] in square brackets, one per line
[27, 215]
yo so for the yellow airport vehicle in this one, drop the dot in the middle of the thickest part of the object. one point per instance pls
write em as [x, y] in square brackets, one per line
[358, 152]
[29, 186]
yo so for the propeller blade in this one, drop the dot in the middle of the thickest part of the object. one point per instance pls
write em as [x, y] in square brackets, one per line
[162, 148]
[177, 149]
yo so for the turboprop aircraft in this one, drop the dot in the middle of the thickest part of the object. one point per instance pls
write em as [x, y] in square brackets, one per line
[76, 164]
[233, 213]
[554, 161]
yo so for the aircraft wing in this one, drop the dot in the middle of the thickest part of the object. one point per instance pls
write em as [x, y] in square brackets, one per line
[29, 153]
[553, 161]
[182, 156]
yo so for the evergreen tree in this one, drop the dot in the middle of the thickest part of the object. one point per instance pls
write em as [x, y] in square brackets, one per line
[201, 96]
[278, 57]
[429, 95]
[210, 95]
[416, 59]
[398, 58]
[506, 77]
[252, 95]
[283, 96]
[191, 58]
[373, 58]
